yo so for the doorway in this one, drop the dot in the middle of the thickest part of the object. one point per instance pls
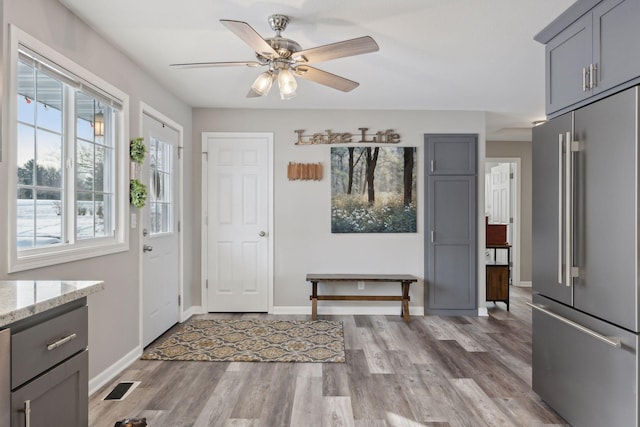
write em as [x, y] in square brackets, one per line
[161, 244]
[502, 206]
[237, 200]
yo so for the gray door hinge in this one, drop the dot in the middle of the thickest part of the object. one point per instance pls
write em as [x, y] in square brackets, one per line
[179, 300]
[206, 282]
[178, 226]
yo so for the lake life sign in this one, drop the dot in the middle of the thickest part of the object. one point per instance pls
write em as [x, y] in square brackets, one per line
[380, 137]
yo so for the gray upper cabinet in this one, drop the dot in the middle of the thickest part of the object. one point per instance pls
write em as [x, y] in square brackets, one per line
[596, 53]
[449, 154]
[616, 36]
[568, 56]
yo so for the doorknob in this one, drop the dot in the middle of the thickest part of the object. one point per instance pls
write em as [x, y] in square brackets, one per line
[262, 234]
[147, 248]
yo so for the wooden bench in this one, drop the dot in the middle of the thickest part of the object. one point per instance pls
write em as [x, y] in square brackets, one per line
[404, 279]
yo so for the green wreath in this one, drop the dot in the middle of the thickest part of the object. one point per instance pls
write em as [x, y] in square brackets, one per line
[137, 150]
[137, 193]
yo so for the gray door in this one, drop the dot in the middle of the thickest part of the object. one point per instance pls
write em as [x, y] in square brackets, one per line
[547, 238]
[615, 24]
[452, 242]
[567, 54]
[607, 209]
[451, 223]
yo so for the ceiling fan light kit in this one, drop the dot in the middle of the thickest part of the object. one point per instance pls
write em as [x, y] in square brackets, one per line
[287, 84]
[286, 59]
[262, 85]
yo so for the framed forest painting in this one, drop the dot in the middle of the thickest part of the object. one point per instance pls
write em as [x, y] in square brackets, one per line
[373, 190]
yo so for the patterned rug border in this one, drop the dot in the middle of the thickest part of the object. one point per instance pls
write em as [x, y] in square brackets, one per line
[202, 338]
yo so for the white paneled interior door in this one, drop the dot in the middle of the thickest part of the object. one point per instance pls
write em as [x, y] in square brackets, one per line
[500, 194]
[236, 202]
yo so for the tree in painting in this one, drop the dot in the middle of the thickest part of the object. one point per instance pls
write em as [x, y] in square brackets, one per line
[372, 190]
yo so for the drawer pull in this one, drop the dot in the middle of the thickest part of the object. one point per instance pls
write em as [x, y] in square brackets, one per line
[61, 342]
[612, 341]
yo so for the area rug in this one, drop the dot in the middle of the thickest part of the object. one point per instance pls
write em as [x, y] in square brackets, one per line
[252, 340]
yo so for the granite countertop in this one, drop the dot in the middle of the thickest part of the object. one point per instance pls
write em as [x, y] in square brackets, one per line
[20, 299]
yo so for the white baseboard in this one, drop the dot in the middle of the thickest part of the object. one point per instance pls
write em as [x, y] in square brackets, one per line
[112, 371]
[347, 310]
[522, 284]
[483, 312]
[194, 309]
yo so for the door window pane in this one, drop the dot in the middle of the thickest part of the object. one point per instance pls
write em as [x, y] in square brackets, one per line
[160, 185]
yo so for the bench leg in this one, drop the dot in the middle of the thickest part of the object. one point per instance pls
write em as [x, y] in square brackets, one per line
[405, 301]
[314, 300]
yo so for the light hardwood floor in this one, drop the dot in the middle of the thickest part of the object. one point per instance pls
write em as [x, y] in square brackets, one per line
[436, 371]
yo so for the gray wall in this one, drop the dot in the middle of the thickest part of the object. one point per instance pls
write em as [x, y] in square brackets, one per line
[113, 313]
[303, 240]
[521, 150]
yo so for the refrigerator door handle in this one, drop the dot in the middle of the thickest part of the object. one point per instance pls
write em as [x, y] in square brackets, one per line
[612, 341]
[560, 207]
[568, 216]
[570, 271]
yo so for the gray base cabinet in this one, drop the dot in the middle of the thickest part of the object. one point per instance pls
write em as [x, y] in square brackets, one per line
[451, 224]
[49, 368]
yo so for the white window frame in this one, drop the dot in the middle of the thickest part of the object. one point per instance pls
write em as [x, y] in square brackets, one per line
[79, 249]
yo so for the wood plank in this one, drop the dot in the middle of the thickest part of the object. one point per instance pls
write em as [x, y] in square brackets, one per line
[361, 277]
[336, 412]
[359, 297]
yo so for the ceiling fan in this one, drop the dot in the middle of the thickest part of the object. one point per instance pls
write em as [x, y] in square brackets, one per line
[285, 58]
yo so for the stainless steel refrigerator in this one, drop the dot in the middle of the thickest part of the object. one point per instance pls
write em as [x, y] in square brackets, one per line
[585, 262]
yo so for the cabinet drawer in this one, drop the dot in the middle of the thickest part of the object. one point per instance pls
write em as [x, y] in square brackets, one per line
[38, 348]
[589, 383]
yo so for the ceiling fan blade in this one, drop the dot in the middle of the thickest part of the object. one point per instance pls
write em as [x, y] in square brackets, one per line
[341, 49]
[216, 64]
[250, 37]
[325, 78]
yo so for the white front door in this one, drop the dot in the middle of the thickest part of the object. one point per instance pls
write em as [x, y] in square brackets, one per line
[159, 220]
[237, 203]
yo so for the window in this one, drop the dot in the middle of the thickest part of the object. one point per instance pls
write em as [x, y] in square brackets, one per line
[69, 165]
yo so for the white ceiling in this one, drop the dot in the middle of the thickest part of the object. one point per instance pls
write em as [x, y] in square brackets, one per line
[434, 54]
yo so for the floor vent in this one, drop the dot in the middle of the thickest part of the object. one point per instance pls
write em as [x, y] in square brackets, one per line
[122, 390]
